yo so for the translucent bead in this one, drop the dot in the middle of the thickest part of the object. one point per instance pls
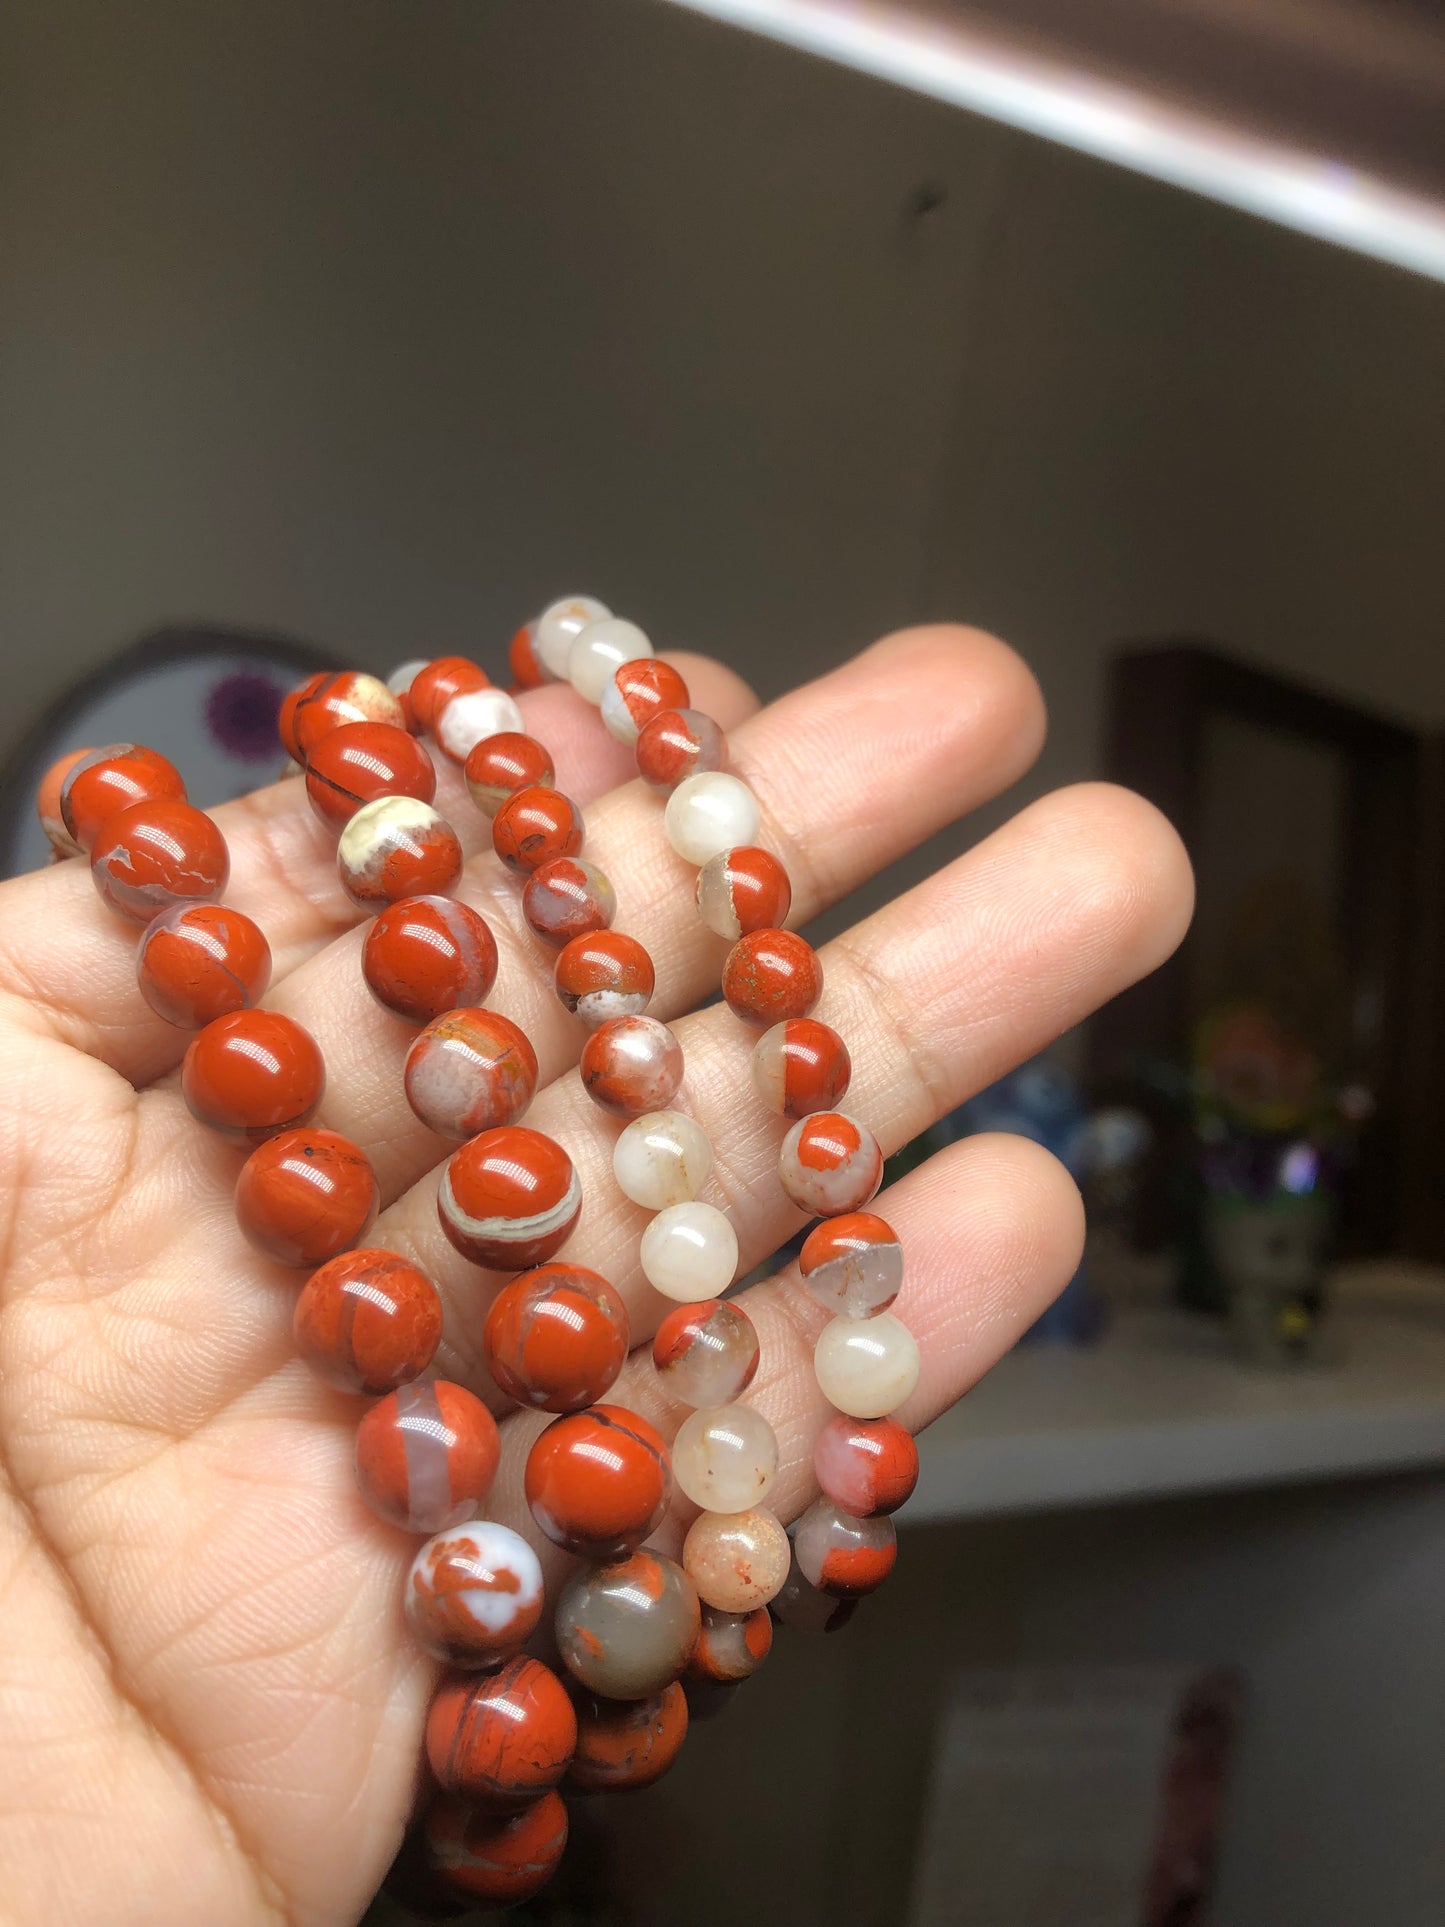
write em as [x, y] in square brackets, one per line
[599, 651]
[690, 1252]
[706, 1354]
[662, 1158]
[830, 1163]
[627, 1630]
[853, 1265]
[710, 813]
[800, 1605]
[725, 1459]
[843, 1555]
[405, 674]
[631, 1065]
[471, 717]
[737, 1560]
[866, 1366]
[801, 1066]
[731, 1646]
[559, 626]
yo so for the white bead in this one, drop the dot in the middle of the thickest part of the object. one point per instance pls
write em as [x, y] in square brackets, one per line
[661, 1159]
[726, 1459]
[866, 1366]
[708, 814]
[559, 625]
[402, 678]
[599, 651]
[470, 718]
[690, 1252]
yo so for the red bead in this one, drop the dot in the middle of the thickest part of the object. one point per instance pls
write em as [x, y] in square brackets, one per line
[843, 1554]
[706, 1354]
[598, 1481]
[47, 802]
[536, 826]
[509, 1198]
[605, 975]
[426, 1456]
[157, 855]
[568, 898]
[647, 686]
[368, 1321]
[428, 955]
[504, 1739]
[252, 1074]
[395, 847]
[801, 1066]
[498, 766]
[627, 1743]
[632, 1065]
[770, 976]
[469, 1071]
[852, 1265]
[866, 1466]
[100, 783]
[361, 761]
[328, 702]
[556, 1338]
[679, 743]
[304, 1196]
[474, 1594]
[731, 1646]
[201, 961]
[527, 667]
[498, 1859]
[742, 890]
[432, 688]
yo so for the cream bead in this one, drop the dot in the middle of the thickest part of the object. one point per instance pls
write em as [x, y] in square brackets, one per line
[662, 1159]
[725, 1459]
[709, 813]
[690, 1252]
[560, 624]
[599, 651]
[402, 677]
[866, 1366]
[738, 1561]
[471, 717]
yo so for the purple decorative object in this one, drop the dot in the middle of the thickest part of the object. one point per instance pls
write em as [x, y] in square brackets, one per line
[241, 714]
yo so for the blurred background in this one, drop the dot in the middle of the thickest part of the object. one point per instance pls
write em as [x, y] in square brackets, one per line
[358, 333]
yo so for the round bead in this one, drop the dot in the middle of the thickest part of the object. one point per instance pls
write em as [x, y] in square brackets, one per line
[536, 826]
[805, 1609]
[598, 1483]
[689, 1252]
[331, 701]
[469, 1071]
[627, 1743]
[568, 898]
[866, 1366]
[631, 1065]
[679, 743]
[742, 890]
[737, 1560]
[843, 1555]
[706, 1355]
[639, 691]
[368, 1321]
[772, 976]
[527, 667]
[426, 1455]
[853, 1265]
[157, 855]
[400, 680]
[498, 1859]
[710, 813]
[830, 1163]
[360, 762]
[731, 1646]
[866, 1466]
[604, 975]
[304, 1196]
[200, 961]
[473, 716]
[100, 783]
[396, 847]
[425, 956]
[801, 1066]
[662, 1158]
[47, 802]
[556, 1338]
[725, 1459]
[559, 626]
[500, 765]
[509, 1198]
[599, 651]
[474, 1594]
[627, 1630]
[436, 683]
[252, 1074]
[502, 1740]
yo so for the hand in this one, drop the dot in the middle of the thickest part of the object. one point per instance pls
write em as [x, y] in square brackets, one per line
[210, 1708]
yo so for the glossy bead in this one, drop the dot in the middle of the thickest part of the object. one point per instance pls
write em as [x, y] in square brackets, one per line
[500, 765]
[426, 1455]
[631, 1065]
[252, 1074]
[470, 1071]
[527, 667]
[627, 1630]
[679, 743]
[360, 762]
[536, 826]
[737, 1560]
[731, 1646]
[662, 1158]
[742, 890]
[568, 898]
[866, 1366]
[498, 1859]
[801, 1066]
[200, 961]
[47, 802]
[706, 1355]
[802, 1607]
[157, 855]
[771, 976]
[598, 1482]
[559, 626]
[627, 1743]
[396, 847]
[710, 813]
[853, 1265]
[368, 1321]
[725, 1459]
[865, 1466]
[830, 1163]
[509, 1198]
[400, 680]
[840, 1554]
[303, 1196]
[637, 692]
[474, 1594]
[436, 683]
[504, 1739]
[607, 974]
[100, 783]
[331, 701]
[689, 1252]
[556, 1338]
[473, 716]
[599, 650]
[425, 956]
